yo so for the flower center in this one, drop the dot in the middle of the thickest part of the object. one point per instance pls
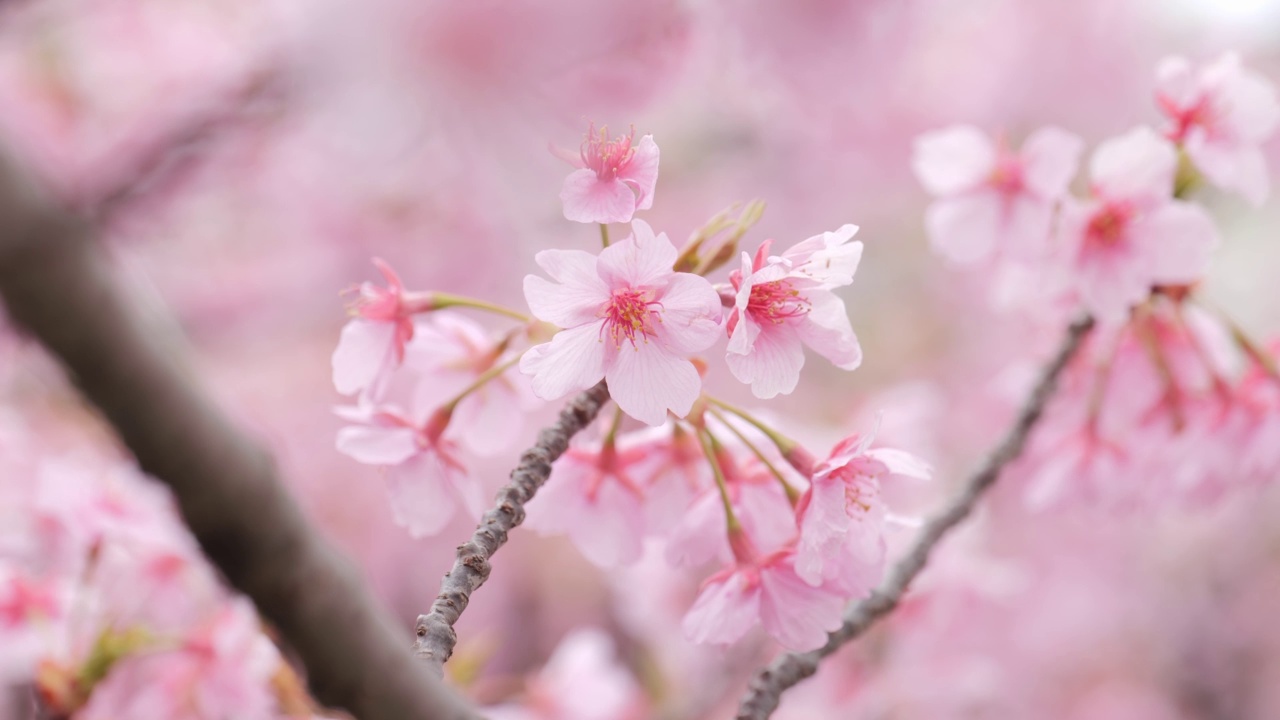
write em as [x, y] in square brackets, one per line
[1107, 226]
[776, 302]
[630, 313]
[607, 157]
[1006, 178]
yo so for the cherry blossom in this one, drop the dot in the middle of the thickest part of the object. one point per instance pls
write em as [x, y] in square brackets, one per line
[1221, 115]
[596, 496]
[373, 342]
[763, 591]
[425, 477]
[614, 179]
[1132, 234]
[582, 680]
[447, 355]
[629, 319]
[991, 200]
[784, 303]
[842, 515]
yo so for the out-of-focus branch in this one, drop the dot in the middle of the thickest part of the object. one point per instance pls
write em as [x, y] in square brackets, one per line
[59, 285]
[436, 636]
[766, 688]
[161, 157]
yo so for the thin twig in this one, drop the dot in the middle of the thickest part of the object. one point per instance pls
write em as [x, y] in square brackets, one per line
[436, 636]
[59, 284]
[765, 689]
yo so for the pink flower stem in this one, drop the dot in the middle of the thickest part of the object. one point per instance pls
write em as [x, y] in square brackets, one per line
[1143, 329]
[764, 692]
[793, 495]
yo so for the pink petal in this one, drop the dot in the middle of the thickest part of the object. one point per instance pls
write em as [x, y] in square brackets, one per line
[577, 297]
[493, 416]
[725, 610]
[1050, 158]
[690, 314]
[1138, 165]
[365, 351]
[822, 530]
[1230, 165]
[826, 329]
[611, 530]
[421, 496]
[953, 160]
[1176, 81]
[773, 364]
[902, 463]
[797, 615]
[588, 199]
[829, 259]
[647, 381]
[1253, 110]
[642, 172]
[700, 538]
[964, 229]
[1177, 242]
[377, 445]
[573, 360]
[641, 260]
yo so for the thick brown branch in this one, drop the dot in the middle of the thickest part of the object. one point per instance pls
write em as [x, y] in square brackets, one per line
[766, 688]
[436, 636]
[59, 285]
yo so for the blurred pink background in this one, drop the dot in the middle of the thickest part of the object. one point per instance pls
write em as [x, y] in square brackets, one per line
[419, 132]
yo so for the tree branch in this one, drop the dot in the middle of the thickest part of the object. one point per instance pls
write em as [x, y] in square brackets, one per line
[766, 688]
[436, 636]
[59, 285]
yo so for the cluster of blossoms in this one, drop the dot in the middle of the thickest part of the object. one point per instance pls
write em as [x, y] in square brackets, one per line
[795, 538]
[1169, 399]
[108, 608]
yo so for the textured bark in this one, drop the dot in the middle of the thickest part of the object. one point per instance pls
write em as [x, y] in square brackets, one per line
[436, 636]
[60, 286]
[766, 688]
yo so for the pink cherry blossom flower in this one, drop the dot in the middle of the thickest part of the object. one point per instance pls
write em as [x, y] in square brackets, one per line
[426, 479]
[784, 303]
[613, 179]
[1133, 235]
[1221, 115]
[223, 670]
[763, 591]
[448, 353]
[582, 680]
[842, 516]
[372, 344]
[595, 496]
[629, 319]
[992, 200]
[30, 610]
[758, 501]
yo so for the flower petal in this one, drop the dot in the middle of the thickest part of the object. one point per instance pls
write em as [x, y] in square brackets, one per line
[365, 350]
[1137, 165]
[646, 381]
[772, 366]
[690, 314]
[726, 609]
[826, 329]
[953, 159]
[641, 260]
[588, 199]
[1050, 158]
[573, 360]
[421, 496]
[377, 445]
[642, 172]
